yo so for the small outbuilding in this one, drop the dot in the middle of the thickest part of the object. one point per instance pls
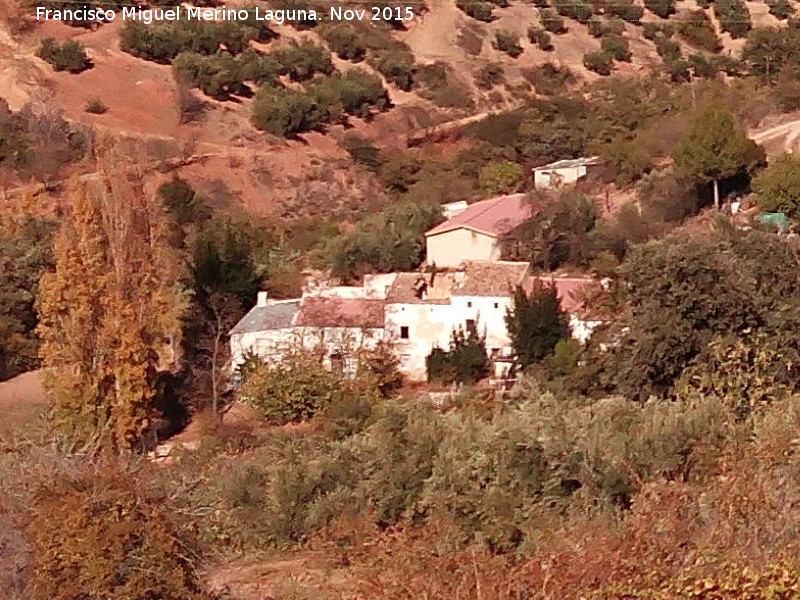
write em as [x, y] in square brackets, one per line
[563, 172]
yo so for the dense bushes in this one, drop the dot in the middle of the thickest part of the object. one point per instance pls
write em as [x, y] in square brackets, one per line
[697, 30]
[733, 17]
[286, 112]
[780, 9]
[599, 62]
[507, 42]
[733, 285]
[552, 21]
[283, 111]
[541, 38]
[67, 56]
[482, 11]
[777, 188]
[294, 388]
[161, 42]
[627, 11]
[344, 40]
[354, 93]
[662, 8]
[770, 51]
[396, 63]
[465, 361]
[617, 47]
[391, 240]
[106, 533]
[580, 11]
[302, 61]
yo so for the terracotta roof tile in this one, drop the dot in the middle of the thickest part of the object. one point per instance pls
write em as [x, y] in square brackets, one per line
[570, 290]
[490, 278]
[318, 311]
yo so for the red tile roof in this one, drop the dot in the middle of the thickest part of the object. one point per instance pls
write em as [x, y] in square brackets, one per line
[495, 216]
[318, 311]
[570, 290]
[490, 278]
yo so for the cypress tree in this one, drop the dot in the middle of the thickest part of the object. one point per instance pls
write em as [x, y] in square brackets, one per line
[536, 323]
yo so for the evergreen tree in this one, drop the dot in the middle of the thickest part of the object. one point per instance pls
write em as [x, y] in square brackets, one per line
[777, 188]
[716, 147]
[466, 360]
[536, 323]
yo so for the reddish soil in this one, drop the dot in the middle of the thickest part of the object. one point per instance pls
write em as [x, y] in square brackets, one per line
[22, 401]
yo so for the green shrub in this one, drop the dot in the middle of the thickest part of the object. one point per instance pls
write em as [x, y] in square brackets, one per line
[662, 8]
[780, 9]
[482, 11]
[698, 31]
[501, 177]
[354, 93]
[627, 11]
[485, 478]
[540, 37]
[286, 112]
[678, 70]
[302, 61]
[396, 63]
[295, 388]
[343, 39]
[668, 49]
[262, 69]
[507, 42]
[466, 360]
[702, 67]
[596, 27]
[68, 56]
[390, 240]
[578, 10]
[163, 41]
[599, 62]
[552, 21]
[733, 17]
[617, 47]
[218, 75]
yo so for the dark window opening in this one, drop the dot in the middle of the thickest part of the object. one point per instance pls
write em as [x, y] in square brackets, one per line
[404, 333]
[470, 324]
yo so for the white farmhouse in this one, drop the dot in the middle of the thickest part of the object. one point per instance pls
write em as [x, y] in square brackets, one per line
[481, 297]
[563, 172]
[419, 317]
[340, 326]
[415, 312]
[264, 330]
[475, 231]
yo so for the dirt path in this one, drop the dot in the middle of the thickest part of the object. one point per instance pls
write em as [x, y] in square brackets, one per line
[779, 138]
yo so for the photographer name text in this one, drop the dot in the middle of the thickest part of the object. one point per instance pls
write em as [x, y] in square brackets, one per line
[178, 13]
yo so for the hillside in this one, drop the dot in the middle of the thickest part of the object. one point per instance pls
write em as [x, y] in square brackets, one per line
[238, 167]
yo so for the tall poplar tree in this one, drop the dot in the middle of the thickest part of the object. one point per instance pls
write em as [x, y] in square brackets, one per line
[110, 312]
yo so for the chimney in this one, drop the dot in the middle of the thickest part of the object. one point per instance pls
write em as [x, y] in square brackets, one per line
[261, 299]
